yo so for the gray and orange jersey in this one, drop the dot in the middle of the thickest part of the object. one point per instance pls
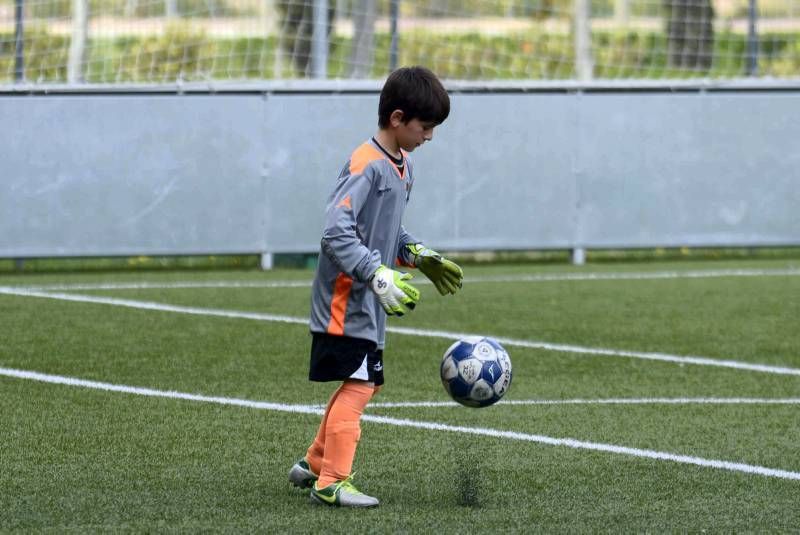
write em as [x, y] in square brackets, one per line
[363, 229]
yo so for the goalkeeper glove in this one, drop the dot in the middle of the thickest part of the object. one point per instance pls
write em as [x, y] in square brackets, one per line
[394, 293]
[443, 273]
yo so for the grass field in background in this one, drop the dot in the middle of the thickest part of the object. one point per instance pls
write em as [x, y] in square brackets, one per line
[82, 458]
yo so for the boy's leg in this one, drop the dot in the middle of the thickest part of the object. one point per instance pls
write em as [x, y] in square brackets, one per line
[299, 475]
[336, 358]
[343, 431]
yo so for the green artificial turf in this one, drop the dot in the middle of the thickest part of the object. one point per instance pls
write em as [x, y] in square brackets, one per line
[82, 459]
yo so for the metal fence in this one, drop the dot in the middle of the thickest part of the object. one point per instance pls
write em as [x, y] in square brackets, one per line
[211, 41]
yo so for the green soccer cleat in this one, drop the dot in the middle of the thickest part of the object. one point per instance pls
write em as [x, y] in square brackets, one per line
[301, 474]
[342, 494]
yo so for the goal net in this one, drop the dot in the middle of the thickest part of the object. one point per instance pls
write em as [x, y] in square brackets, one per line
[174, 41]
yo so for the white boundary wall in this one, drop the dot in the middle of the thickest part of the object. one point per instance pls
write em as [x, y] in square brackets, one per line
[247, 169]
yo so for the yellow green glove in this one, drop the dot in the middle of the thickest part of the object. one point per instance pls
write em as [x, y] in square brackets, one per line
[443, 273]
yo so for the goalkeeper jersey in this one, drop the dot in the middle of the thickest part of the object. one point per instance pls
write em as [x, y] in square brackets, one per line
[363, 229]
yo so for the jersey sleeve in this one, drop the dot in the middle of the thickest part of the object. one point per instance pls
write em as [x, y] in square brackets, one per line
[403, 256]
[340, 241]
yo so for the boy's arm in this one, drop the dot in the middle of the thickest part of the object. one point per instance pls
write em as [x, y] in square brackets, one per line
[340, 241]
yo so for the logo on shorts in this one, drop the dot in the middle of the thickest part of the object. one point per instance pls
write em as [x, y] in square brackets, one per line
[378, 366]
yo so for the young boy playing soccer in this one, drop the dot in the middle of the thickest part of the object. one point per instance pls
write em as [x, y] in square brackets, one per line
[356, 286]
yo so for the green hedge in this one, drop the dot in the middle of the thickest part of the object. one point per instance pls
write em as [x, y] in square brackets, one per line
[191, 55]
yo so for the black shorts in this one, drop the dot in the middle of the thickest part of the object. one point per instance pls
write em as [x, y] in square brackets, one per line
[336, 358]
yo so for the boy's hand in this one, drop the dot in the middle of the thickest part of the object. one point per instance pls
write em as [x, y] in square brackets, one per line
[443, 273]
[394, 293]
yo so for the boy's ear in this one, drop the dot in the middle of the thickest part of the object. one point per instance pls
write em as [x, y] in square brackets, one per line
[396, 118]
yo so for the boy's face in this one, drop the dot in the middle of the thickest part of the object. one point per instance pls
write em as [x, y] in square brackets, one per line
[412, 134]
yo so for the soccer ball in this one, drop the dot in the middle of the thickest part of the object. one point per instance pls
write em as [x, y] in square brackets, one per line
[476, 371]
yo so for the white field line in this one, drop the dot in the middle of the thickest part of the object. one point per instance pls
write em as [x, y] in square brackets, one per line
[446, 335]
[432, 426]
[598, 351]
[580, 444]
[110, 387]
[149, 305]
[543, 277]
[643, 275]
[611, 401]
[176, 285]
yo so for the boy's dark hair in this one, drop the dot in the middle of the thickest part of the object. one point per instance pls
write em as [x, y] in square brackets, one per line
[417, 92]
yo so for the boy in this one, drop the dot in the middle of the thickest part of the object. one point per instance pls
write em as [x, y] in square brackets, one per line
[356, 287]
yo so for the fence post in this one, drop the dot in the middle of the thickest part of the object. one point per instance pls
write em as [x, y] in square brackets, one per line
[319, 40]
[752, 38]
[171, 9]
[394, 10]
[19, 43]
[583, 40]
[77, 45]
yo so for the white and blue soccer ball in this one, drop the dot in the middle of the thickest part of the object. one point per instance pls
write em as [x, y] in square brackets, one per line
[476, 371]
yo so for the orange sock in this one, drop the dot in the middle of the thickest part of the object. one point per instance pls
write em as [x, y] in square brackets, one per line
[343, 431]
